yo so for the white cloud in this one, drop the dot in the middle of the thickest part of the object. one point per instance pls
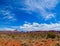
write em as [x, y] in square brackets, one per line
[7, 15]
[7, 29]
[40, 6]
[33, 27]
[37, 27]
[49, 16]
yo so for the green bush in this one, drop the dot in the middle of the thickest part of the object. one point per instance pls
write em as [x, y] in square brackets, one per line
[51, 35]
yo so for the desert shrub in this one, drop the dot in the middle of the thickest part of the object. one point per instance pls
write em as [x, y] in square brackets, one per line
[51, 35]
[43, 35]
[24, 44]
[58, 37]
[12, 36]
[58, 44]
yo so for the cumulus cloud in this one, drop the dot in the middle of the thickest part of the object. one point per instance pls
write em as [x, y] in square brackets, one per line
[41, 6]
[37, 27]
[33, 27]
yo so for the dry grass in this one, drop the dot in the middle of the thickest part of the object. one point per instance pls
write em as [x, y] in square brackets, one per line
[28, 39]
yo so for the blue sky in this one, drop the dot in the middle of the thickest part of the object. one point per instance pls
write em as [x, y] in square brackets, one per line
[29, 15]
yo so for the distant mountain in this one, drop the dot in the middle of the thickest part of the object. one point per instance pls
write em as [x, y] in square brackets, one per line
[18, 32]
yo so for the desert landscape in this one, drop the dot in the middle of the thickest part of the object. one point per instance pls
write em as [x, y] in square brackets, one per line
[29, 22]
[36, 38]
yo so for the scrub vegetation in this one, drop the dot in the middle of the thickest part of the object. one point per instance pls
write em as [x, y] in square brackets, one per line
[38, 38]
